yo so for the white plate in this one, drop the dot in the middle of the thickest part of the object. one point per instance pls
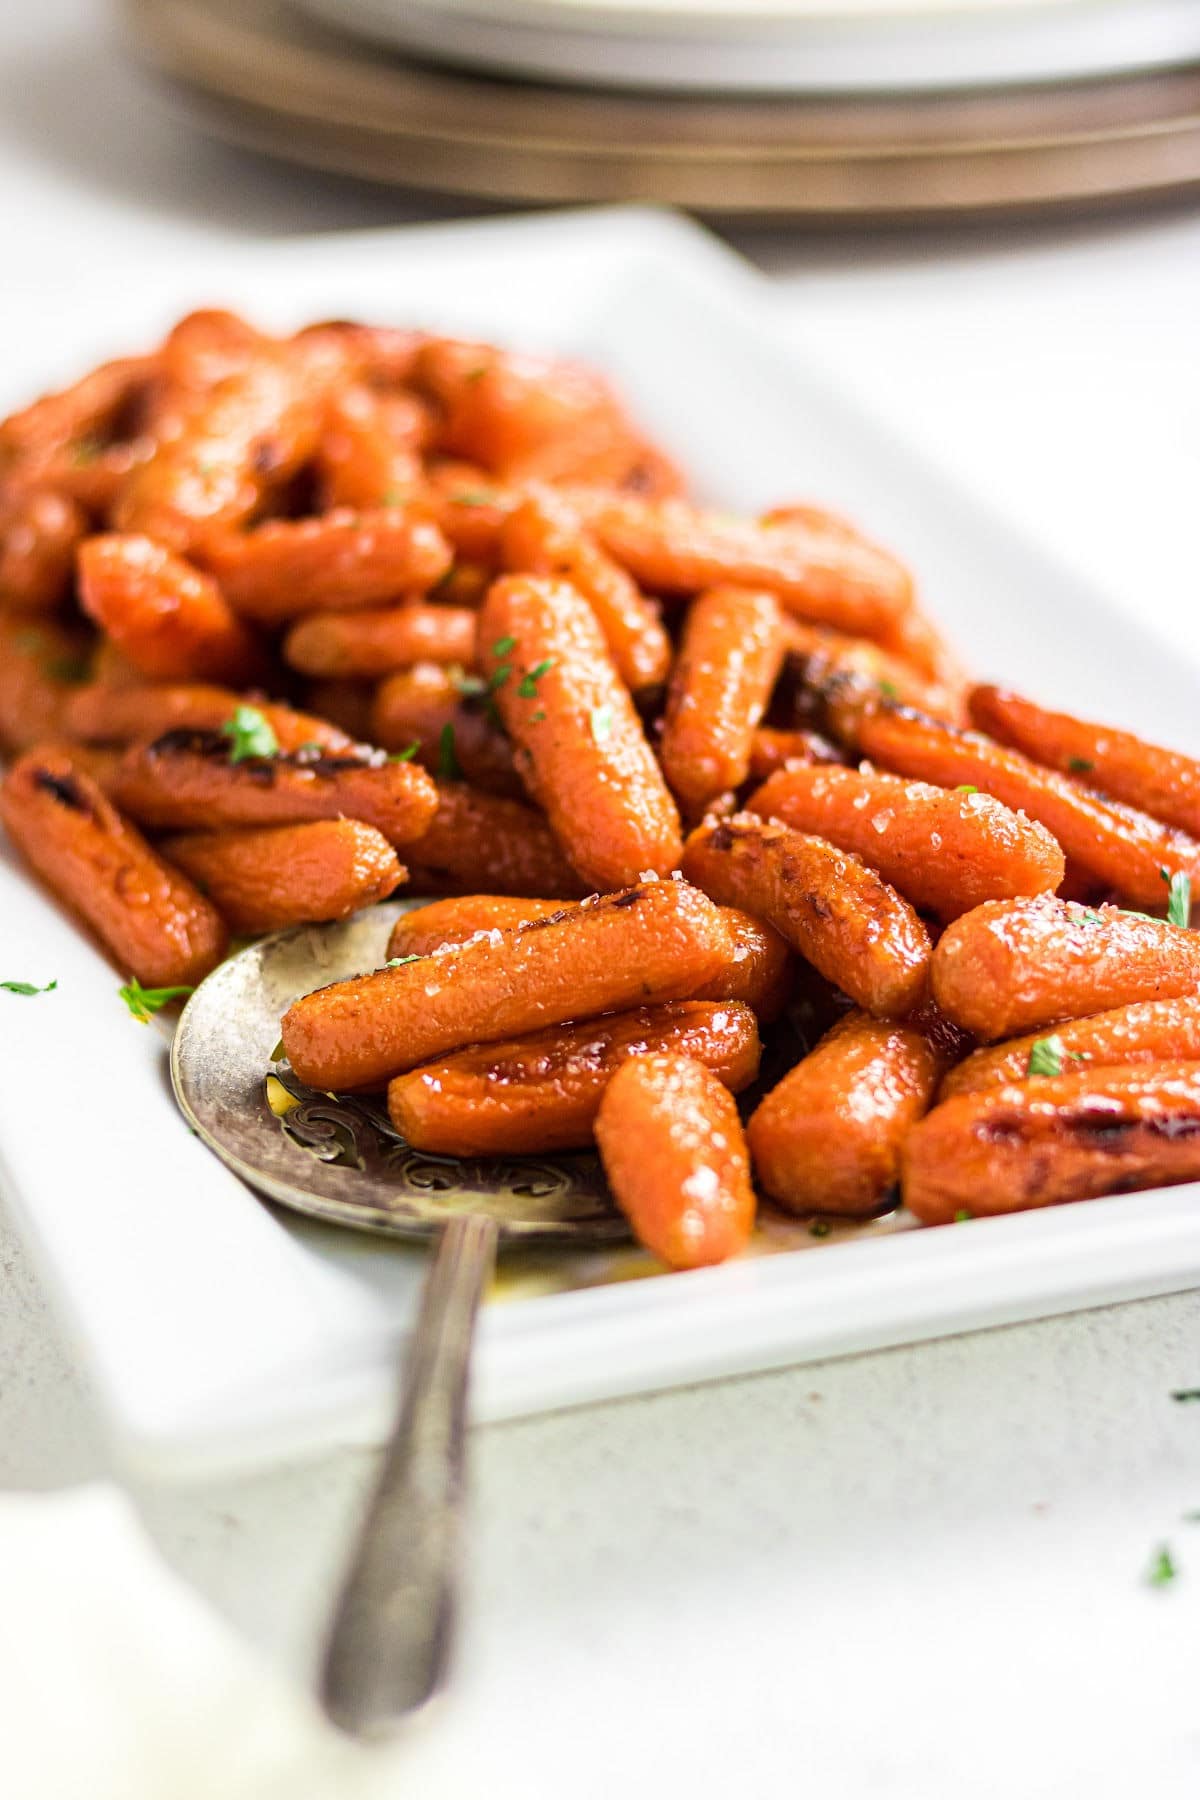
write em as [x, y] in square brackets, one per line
[219, 1332]
[783, 46]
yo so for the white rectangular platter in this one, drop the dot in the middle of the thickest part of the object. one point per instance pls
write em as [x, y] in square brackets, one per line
[218, 1332]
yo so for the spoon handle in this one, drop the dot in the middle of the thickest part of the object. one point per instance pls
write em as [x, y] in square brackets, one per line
[390, 1637]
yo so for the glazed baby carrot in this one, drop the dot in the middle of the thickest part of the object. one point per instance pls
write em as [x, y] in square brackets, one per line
[946, 850]
[844, 675]
[376, 642]
[39, 534]
[267, 877]
[650, 943]
[543, 537]
[155, 925]
[99, 713]
[369, 449]
[234, 444]
[476, 841]
[772, 749]
[580, 745]
[671, 547]
[838, 913]
[1125, 850]
[455, 921]
[165, 616]
[197, 780]
[82, 415]
[729, 658]
[1148, 1031]
[827, 1138]
[1016, 965]
[1160, 782]
[541, 1093]
[676, 1160]
[40, 661]
[426, 706]
[470, 509]
[1043, 1141]
[339, 561]
[758, 973]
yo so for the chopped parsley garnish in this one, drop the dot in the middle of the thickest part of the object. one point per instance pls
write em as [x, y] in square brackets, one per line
[966, 787]
[250, 735]
[27, 987]
[499, 677]
[1185, 1394]
[527, 687]
[1079, 765]
[398, 962]
[1162, 1568]
[448, 766]
[602, 723]
[472, 497]
[470, 686]
[85, 451]
[1179, 897]
[1093, 918]
[405, 755]
[820, 1228]
[1046, 1057]
[962, 1215]
[143, 1002]
[537, 717]
[504, 646]
[69, 668]
[889, 690]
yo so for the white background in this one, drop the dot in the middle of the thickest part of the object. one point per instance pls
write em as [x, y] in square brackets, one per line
[916, 1574]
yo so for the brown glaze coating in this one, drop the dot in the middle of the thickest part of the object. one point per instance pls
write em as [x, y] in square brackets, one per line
[825, 902]
[1047, 1140]
[676, 1160]
[1147, 1031]
[581, 748]
[152, 921]
[1160, 782]
[334, 563]
[827, 1138]
[541, 1093]
[1123, 849]
[1015, 966]
[186, 781]
[728, 662]
[651, 943]
[944, 850]
[264, 878]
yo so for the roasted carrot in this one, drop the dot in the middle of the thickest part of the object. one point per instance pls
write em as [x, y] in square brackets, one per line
[376, 642]
[772, 749]
[267, 877]
[186, 780]
[945, 850]
[1015, 965]
[1163, 783]
[676, 1160]
[100, 713]
[541, 1093]
[151, 920]
[543, 537]
[1148, 1031]
[580, 745]
[234, 444]
[444, 923]
[827, 1138]
[671, 547]
[76, 419]
[340, 561]
[476, 841]
[470, 509]
[452, 729]
[729, 659]
[1123, 849]
[1043, 1141]
[165, 616]
[656, 942]
[369, 453]
[758, 972]
[40, 661]
[39, 534]
[843, 676]
[827, 904]
[204, 347]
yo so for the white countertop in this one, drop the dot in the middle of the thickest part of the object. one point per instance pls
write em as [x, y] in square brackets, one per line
[917, 1574]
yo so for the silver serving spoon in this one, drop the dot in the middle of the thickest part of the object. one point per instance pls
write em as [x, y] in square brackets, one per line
[341, 1160]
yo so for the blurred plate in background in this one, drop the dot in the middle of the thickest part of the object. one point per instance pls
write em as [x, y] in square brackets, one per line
[783, 46]
[258, 74]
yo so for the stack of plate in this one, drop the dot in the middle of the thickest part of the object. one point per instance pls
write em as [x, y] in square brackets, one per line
[822, 109]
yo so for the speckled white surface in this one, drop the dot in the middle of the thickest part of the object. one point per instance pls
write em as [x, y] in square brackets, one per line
[916, 1575]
